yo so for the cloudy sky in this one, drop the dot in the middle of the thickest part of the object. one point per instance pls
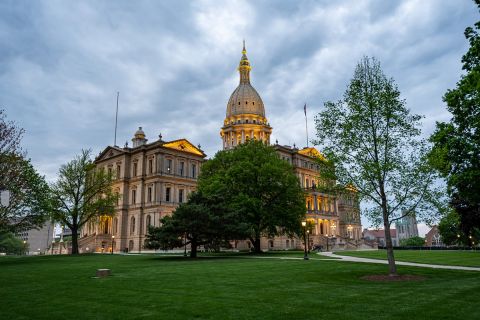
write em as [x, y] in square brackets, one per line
[174, 64]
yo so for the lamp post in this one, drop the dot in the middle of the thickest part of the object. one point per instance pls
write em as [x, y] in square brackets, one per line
[308, 241]
[25, 247]
[113, 238]
[304, 225]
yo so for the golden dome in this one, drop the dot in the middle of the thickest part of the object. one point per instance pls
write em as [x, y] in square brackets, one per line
[245, 99]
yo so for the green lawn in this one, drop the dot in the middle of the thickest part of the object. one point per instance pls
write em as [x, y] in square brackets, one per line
[236, 287]
[447, 257]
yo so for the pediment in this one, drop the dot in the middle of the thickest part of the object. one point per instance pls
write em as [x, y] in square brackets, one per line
[109, 152]
[185, 146]
[312, 152]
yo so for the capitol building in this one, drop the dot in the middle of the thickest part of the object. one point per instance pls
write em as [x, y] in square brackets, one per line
[153, 178]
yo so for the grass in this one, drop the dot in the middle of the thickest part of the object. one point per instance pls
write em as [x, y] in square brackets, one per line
[446, 257]
[232, 287]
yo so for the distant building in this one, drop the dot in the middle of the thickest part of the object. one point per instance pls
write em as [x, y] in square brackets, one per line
[407, 227]
[379, 236]
[433, 238]
[37, 241]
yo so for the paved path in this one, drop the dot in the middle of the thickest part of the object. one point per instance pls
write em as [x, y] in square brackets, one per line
[399, 263]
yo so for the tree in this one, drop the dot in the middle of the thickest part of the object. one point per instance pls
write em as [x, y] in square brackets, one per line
[413, 242]
[197, 222]
[27, 192]
[81, 194]
[29, 204]
[373, 145]
[258, 189]
[456, 143]
[10, 244]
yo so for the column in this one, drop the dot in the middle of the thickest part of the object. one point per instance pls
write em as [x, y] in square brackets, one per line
[315, 204]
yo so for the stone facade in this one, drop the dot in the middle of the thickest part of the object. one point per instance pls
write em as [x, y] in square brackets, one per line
[151, 180]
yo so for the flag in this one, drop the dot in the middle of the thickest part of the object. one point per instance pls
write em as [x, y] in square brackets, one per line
[305, 109]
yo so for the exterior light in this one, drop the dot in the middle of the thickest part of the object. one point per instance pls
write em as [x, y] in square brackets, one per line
[113, 237]
[304, 224]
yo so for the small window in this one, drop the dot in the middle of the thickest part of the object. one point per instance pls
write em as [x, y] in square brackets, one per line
[254, 121]
[134, 196]
[194, 170]
[119, 168]
[169, 165]
[253, 102]
[135, 167]
[271, 243]
[132, 225]
[238, 102]
[180, 195]
[181, 169]
[246, 121]
[150, 165]
[167, 195]
[246, 102]
[149, 194]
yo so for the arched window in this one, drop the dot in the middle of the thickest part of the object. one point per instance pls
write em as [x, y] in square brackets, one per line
[271, 243]
[132, 225]
[288, 243]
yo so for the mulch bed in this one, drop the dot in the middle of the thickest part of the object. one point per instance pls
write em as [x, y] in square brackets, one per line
[387, 278]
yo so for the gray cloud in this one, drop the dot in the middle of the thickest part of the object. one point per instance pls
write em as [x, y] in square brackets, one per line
[174, 64]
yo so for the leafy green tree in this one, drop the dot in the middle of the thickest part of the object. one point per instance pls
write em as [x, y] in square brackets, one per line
[456, 151]
[413, 242]
[449, 229]
[260, 191]
[27, 204]
[81, 194]
[372, 142]
[198, 222]
[10, 244]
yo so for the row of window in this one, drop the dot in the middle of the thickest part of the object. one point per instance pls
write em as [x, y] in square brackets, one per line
[181, 170]
[168, 195]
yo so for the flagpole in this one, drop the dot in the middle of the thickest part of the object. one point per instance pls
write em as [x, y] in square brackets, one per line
[116, 121]
[306, 127]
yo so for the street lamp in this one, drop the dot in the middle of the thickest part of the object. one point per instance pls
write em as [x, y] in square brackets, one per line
[304, 225]
[308, 241]
[113, 238]
[24, 247]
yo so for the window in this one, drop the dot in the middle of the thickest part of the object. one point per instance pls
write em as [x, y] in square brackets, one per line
[149, 196]
[109, 171]
[246, 121]
[150, 165]
[132, 225]
[180, 170]
[169, 165]
[134, 196]
[119, 168]
[167, 194]
[306, 183]
[180, 195]
[194, 170]
[135, 167]
[288, 243]
[271, 243]
[115, 225]
[254, 121]
[149, 221]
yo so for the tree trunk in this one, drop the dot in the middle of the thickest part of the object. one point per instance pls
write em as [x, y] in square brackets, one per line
[193, 249]
[256, 245]
[74, 240]
[392, 268]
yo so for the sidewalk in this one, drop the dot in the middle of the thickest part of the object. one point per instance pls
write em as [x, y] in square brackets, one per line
[399, 263]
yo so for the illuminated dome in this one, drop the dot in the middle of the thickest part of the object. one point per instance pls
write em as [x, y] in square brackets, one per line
[245, 99]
